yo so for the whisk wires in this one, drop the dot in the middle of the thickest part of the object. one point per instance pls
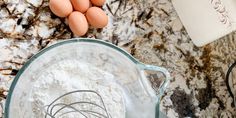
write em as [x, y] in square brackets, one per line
[50, 111]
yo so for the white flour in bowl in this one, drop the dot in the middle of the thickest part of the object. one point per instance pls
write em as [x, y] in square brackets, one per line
[70, 75]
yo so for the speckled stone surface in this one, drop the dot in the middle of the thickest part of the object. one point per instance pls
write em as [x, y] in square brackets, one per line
[148, 29]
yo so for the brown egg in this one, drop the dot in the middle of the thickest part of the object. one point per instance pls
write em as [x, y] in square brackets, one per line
[96, 17]
[98, 2]
[90, 4]
[80, 5]
[78, 23]
[61, 8]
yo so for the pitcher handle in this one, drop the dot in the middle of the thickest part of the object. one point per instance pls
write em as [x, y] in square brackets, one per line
[166, 73]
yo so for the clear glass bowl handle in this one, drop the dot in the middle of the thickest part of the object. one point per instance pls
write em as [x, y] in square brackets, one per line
[156, 95]
[146, 82]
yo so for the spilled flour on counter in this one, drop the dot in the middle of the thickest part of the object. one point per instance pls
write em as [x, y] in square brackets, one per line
[70, 75]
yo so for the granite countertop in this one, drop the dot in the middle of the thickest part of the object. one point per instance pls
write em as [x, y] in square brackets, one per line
[150, 30]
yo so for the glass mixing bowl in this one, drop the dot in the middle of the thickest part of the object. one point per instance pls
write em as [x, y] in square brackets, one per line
[142, 85]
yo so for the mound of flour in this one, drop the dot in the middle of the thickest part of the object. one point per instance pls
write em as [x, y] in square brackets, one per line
[70, 75]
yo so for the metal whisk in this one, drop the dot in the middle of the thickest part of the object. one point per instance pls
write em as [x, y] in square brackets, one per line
[85, 108]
